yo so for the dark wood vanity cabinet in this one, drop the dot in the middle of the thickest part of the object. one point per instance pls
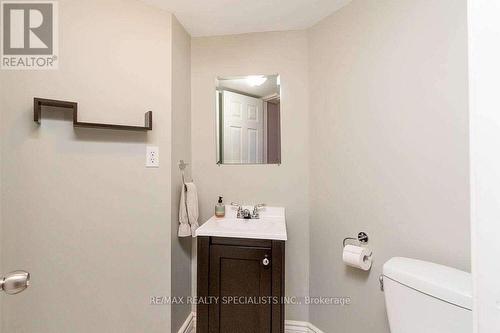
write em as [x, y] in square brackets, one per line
[240, 285]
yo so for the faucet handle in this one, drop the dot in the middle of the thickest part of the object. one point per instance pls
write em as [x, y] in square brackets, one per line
[255, 213]
[239, 214]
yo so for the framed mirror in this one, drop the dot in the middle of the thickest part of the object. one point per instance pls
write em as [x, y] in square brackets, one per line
[248, 113]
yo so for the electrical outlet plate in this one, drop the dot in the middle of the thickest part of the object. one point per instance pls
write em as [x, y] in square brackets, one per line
[152, 157]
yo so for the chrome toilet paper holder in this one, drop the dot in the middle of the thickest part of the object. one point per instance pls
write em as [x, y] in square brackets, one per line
[362, 239]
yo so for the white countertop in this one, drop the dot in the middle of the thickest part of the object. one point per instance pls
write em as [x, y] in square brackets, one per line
[271, 225]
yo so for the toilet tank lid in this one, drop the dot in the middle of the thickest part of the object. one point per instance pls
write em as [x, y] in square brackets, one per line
[448, 284]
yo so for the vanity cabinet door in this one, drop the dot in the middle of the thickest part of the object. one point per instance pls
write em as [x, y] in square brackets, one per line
[241, 279]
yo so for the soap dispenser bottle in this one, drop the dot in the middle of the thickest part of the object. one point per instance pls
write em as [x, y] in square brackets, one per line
[220, 209]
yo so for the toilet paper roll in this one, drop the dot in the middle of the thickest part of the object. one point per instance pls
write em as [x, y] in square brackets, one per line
[358, 257]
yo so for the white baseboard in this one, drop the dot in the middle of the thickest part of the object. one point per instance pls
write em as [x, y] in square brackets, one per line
[189, 325]
[291, 326]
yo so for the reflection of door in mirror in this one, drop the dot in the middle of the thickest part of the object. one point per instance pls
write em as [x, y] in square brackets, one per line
[273, 132]
[243, 129]
[248, 119]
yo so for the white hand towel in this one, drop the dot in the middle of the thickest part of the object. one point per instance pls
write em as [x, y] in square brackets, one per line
[184, 228]
[192, 207]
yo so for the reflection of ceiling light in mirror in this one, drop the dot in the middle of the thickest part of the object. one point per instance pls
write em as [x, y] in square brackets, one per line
[278, 80]
[256, 80]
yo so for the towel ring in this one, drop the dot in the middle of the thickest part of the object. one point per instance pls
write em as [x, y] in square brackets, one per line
[183, 165]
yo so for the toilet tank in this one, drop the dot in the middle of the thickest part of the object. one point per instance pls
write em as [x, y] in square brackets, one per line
[425, 297]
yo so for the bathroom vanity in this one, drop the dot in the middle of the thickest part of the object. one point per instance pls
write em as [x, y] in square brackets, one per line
[241, 273]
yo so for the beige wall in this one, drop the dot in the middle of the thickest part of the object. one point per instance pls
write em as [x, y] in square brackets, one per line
[80, 210]
[286, 185]
[1, 191]
[389, 138]
[181, 150]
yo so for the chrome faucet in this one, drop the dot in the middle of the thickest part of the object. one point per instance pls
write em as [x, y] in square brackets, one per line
[245, 213]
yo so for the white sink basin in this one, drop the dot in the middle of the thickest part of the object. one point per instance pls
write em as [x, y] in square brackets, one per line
[271, 225]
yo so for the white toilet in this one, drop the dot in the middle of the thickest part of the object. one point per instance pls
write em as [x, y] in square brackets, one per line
[422, 297]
